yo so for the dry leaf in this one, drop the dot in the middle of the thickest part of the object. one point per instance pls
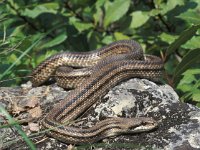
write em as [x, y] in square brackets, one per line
[16, 109]
[35, 112]
[32, 102]
[33, 126]
[70, 147]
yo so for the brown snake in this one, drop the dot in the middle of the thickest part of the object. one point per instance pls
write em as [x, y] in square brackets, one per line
[109, 66]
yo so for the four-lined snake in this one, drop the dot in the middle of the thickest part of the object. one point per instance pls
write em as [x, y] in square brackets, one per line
[105, 68]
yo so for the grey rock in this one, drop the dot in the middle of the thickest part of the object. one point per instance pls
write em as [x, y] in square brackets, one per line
[179, 123]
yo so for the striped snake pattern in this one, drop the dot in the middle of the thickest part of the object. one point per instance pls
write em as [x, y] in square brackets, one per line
[97, 72]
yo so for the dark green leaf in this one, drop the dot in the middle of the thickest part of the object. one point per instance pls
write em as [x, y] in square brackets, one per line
[94, 40]
[186, 62]
[185, 36]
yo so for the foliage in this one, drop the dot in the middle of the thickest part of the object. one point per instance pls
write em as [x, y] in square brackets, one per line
[31, 31]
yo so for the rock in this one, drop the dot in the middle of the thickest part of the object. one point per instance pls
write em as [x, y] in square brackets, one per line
[178, 122]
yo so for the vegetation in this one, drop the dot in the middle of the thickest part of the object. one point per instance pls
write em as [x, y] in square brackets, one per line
[31, 31]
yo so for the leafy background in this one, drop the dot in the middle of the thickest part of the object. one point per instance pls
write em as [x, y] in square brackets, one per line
[31, 31]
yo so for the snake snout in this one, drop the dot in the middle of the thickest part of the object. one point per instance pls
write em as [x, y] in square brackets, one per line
[146, 124]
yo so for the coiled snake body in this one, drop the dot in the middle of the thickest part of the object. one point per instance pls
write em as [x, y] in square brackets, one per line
[109, 66]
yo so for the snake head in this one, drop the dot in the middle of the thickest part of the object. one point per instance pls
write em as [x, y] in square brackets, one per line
[141, 124]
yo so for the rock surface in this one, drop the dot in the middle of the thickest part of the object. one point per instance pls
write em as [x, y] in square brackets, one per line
[179, 123]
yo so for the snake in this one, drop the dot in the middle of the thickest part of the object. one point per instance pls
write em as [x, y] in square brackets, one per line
[98, 71]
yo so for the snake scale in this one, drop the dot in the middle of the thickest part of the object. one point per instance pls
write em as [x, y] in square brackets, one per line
[105, 68]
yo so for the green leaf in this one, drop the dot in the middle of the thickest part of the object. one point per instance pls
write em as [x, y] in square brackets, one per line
[81, 26]
[193, 43]
[120, 36]
[192, 17]
[154, 12]
[42, 8]
[191, 72]
[107, 40]
[18, 31]
[41, 58]
[138, 19]
[189, 59]
[168, 37]
[170, 5]
[184, 87]
[163, 7]
[185, 36]
[190, 85]
[115, 11]
[98, 15]
[59, 39]
[185, 83]
[196, 95]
